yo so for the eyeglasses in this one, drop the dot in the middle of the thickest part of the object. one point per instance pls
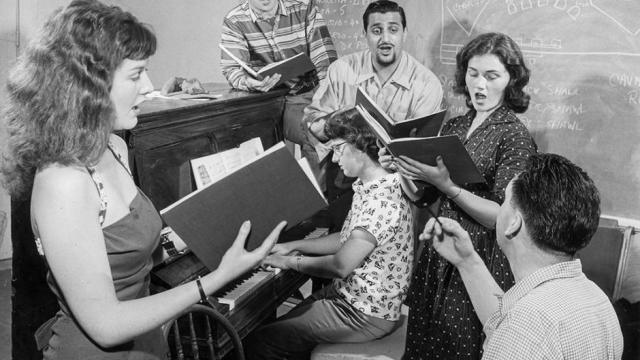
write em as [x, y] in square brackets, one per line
[338, 148]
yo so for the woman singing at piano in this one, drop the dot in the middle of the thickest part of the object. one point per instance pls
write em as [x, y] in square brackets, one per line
[80, 80]
[369, 259]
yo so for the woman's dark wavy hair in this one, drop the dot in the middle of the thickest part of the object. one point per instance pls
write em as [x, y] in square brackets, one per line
[59, 109]
[350, 126]
[559, 202]
[509, 54]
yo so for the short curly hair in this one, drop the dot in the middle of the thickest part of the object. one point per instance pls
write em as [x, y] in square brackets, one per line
[509, 54]
[559, 201]
[383, 7]
[59, 108]
[351, 126]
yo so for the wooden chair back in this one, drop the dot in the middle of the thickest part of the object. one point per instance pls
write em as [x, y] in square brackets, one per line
[193, 334]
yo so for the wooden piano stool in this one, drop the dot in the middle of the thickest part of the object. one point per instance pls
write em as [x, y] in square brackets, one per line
[390, 347]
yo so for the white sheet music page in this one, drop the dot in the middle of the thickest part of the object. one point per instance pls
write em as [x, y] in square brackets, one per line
[211, 168]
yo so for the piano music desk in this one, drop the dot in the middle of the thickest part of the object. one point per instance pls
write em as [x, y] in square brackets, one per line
[172, 132]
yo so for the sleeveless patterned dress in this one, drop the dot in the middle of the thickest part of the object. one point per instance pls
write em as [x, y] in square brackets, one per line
[130, 242]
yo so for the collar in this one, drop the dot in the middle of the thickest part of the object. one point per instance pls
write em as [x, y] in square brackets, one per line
[366, 71]
[401, 76]
[501, 115]
[566, 269]
[282, 10]
[379, 183]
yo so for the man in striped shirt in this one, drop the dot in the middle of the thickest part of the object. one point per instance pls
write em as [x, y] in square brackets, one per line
[260, 32]
[551, 210]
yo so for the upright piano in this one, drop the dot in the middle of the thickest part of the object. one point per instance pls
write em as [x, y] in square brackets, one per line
[172, 132]
[169, 133]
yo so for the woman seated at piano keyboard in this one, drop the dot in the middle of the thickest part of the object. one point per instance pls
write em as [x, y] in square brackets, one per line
[80, 80]
[369, 260]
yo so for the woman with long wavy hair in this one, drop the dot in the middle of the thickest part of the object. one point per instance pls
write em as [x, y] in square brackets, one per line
[79, 80]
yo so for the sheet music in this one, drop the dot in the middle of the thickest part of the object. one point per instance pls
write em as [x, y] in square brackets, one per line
[211, 168]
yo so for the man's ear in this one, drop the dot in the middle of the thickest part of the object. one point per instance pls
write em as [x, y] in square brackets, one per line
[514, 226]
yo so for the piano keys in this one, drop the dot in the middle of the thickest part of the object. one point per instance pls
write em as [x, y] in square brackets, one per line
[248, 301]
[243, 287]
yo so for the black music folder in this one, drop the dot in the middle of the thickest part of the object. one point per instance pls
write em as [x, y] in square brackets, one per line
[425, 149]
[461, 167]
[424, 126]
[288, 69]
[271, 188]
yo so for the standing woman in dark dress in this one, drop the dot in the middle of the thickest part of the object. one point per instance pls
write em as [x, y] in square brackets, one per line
[80, 80]
[491, 74]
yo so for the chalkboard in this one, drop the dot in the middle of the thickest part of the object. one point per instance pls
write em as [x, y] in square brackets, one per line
[585, 83]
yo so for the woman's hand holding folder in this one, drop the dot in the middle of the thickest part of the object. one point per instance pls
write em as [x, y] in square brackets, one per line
[237, 260]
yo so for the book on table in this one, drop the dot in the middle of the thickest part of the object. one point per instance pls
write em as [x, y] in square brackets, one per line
[185, 96]
[270, 188]
[461, 167]
[288, 68]
[423, 126]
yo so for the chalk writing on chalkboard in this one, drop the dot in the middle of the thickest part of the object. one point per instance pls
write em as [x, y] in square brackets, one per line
[585, 82]
[344, 20]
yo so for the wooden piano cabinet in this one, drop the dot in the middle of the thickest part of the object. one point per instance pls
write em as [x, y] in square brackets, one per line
[171, 132]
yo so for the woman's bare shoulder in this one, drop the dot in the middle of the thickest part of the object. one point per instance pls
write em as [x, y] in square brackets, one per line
[57, 181]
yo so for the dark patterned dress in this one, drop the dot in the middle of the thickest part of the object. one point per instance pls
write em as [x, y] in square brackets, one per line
[442, 323]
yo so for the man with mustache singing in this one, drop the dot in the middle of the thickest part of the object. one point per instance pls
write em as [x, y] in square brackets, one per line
[396, 81]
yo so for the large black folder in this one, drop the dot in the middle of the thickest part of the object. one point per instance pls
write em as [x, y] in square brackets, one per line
[266, 191]
[454, 155]
[425, 149]
[428, 125]
[288, 69]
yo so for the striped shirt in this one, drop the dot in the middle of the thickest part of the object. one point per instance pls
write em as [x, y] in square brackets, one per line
[298, 27]
[554, 313]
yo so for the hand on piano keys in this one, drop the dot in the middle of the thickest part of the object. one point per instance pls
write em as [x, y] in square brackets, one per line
[281, 255]
[275, 270]
[237, 260]
[245, 286]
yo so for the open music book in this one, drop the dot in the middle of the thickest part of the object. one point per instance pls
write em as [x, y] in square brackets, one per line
[211, 168]
[288, 69]
[270, 188]
[461, 167]
[391, 128]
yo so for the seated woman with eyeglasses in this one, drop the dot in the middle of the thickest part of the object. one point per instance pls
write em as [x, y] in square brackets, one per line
[370, 259]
